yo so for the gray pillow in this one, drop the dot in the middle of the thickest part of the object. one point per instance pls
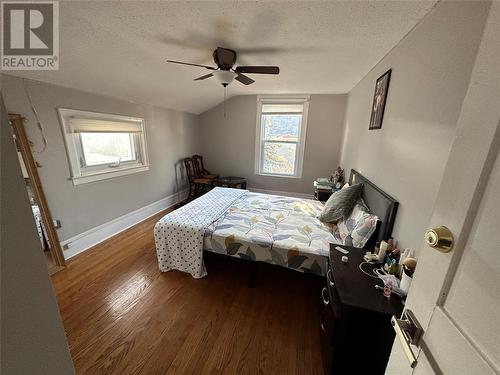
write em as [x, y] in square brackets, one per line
[340, 204]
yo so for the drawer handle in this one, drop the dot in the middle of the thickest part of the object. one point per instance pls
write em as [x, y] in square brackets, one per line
[326, 302]
[323, 329]
[329, 277]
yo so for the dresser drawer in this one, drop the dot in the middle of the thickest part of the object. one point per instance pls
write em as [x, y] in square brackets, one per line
[331, 312]
[326, 324]
[333, 296]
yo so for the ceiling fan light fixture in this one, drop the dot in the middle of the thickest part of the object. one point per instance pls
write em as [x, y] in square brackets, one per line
[225, 77]
[225, 72]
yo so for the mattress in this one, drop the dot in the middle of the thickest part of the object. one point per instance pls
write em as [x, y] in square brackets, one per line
[274, 229]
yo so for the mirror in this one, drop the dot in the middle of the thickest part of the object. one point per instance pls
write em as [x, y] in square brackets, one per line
[49, 240]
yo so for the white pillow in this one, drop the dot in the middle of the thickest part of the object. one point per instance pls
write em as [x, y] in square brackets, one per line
[358, 228]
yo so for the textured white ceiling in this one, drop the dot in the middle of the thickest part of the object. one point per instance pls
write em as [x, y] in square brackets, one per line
[119, 48]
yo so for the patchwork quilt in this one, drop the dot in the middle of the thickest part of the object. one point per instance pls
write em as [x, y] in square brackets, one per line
[273, 229]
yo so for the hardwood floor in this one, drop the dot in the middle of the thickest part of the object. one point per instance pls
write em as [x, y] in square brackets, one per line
[123, 316]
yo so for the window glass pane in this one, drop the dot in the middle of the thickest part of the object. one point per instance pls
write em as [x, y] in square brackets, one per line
[281, 127]
[106, 148]
[279, 158]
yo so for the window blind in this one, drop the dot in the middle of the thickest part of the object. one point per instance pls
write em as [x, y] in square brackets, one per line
[84, 125]
[283, 108]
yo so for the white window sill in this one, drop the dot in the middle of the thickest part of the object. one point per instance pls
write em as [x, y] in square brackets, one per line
[277, 175]
[104, 175]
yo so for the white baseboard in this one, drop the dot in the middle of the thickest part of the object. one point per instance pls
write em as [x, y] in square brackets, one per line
[83, 241]
[284, 193]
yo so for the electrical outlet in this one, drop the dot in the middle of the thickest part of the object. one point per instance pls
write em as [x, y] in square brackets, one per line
[57, 223]
[66, 246]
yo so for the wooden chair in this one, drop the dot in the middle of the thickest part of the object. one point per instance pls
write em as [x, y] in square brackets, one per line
[197, 186]
[200, 170]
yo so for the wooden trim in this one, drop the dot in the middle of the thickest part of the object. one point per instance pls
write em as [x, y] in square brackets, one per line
[17, 123]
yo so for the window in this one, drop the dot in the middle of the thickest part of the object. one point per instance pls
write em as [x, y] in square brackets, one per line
[281, 133]
[102, 146]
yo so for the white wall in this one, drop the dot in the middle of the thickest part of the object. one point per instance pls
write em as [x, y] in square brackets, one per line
[228, 144]
[431, 68]
[31, 332]
[171, 135]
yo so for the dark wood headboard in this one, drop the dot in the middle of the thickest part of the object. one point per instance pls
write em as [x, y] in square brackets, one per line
[380, 203]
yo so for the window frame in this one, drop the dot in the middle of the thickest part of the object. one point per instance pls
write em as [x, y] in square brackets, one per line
[260, 142]
[74, 149]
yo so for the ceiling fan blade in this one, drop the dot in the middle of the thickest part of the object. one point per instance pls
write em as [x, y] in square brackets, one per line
[204, 77]
[244, 79]
[185, 63]
[258, 69]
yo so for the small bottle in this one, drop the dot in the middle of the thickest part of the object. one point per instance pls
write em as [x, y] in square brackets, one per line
[388, 289]
[390, 244]
[381, 252]
[393, 268]
[396, 254]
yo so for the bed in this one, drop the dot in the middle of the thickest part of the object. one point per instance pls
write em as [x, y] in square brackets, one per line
[274, 229]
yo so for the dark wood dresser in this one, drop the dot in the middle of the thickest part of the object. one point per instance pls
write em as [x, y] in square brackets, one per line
[356, 332]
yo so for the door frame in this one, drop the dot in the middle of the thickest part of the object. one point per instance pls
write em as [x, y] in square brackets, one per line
[17, 123]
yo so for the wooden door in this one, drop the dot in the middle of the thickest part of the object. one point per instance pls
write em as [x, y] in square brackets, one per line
[455, 296]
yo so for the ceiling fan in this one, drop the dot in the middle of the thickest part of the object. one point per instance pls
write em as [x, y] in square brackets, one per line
[225, 59]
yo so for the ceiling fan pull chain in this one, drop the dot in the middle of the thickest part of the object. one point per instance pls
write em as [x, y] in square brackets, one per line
[225, 95]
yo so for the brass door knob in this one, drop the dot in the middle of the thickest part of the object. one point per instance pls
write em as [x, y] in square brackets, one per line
[439, 238]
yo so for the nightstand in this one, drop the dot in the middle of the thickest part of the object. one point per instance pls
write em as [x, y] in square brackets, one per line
[322, 195]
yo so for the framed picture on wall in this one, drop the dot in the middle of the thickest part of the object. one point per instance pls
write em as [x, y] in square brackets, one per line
[379, 98]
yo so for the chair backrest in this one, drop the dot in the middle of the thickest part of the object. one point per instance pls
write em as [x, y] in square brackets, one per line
[190, 170]
[199, 168]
